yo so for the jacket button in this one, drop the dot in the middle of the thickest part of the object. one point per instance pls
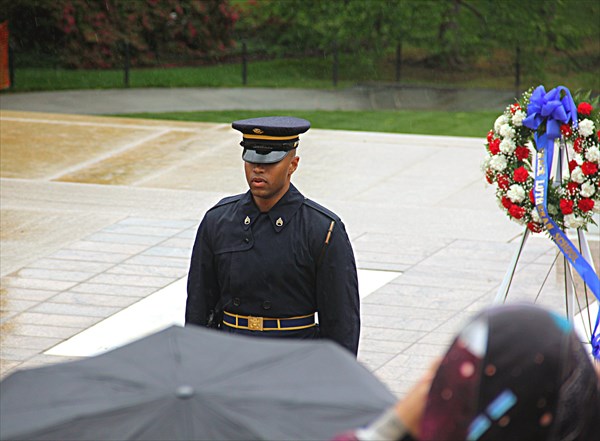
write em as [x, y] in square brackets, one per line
[247, 239]
[266, 304]
[236, 301]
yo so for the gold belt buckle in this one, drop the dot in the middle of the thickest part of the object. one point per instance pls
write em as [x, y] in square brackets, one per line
[255, 323]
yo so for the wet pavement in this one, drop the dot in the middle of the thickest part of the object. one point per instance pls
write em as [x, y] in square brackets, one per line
[379, 96]
[98, 214]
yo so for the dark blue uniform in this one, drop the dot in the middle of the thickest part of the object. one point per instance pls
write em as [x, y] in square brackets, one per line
[292, 261]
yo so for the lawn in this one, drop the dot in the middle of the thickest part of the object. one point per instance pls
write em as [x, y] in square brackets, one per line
[298, 73]
[470, 124]
[315, 73]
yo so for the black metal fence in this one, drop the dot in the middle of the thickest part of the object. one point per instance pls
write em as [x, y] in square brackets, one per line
[243, 55]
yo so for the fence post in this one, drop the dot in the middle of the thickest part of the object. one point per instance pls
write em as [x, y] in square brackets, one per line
[244, 64]
[336, 63]
[126, 66]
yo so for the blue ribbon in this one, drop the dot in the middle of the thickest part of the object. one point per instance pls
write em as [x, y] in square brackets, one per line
[554, 111]
[595, 340]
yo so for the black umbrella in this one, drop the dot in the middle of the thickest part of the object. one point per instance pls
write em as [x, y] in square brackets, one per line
[194, 383]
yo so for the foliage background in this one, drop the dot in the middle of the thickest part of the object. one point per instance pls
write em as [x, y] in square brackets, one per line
[425, 41]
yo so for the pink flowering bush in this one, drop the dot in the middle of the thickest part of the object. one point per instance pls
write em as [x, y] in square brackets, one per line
[92, 33]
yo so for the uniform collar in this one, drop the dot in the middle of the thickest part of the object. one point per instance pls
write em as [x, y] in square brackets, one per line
[281, 213]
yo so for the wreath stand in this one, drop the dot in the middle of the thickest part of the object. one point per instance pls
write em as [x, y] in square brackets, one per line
[584, 249]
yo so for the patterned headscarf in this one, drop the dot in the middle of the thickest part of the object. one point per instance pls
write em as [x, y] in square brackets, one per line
[514, 373]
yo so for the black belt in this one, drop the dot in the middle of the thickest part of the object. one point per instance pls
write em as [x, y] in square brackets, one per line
[268, 323]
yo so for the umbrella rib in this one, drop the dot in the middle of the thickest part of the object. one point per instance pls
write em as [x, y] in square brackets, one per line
[259, 364]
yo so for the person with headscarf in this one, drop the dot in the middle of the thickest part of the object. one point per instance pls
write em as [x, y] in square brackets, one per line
[515, 372]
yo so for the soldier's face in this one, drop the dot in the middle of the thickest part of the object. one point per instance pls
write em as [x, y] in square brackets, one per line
[269, 182]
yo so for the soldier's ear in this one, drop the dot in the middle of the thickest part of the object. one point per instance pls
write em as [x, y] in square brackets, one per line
[293, 165]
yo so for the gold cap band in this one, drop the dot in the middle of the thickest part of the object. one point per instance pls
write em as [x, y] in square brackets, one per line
[270, 138]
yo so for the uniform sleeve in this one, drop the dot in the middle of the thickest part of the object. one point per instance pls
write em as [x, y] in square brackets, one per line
[202, 285]
[337, 292]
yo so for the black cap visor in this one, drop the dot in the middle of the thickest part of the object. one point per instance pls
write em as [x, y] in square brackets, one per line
[268, 157]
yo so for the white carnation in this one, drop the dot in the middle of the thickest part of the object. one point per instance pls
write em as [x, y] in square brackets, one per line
[516, 193]
[577, 175]
[573, 221]
[507, 131]
[486, 163]
[535, 216]
[586, 127]
[587, 189]
[498, 162]
[518, 117]
[500, 121]
[593, 154]
[507, 146]
[552, 209]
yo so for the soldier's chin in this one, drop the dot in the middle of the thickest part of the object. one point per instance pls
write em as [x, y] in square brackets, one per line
[261, 192]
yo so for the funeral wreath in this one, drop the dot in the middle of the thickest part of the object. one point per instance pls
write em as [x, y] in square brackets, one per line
[511, 153]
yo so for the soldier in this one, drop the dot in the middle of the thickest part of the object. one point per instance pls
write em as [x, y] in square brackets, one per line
[266, 262]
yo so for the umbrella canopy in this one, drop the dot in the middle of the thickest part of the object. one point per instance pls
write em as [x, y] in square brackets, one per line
[195, 384]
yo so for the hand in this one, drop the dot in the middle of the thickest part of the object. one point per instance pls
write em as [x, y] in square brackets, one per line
[404, 416]
[410, 409]
[346, 436]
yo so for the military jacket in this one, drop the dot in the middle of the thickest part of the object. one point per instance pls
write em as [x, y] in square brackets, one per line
[276, 264]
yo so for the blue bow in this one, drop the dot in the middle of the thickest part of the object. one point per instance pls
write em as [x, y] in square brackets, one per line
[552, 109]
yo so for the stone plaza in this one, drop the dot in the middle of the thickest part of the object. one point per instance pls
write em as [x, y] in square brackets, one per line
[98, 215]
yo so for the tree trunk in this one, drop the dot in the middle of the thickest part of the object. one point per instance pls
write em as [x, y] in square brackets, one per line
[448, 36]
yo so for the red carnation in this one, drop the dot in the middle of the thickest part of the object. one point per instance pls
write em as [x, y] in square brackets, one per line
[585, 108]
[522, 153]
[598, 133]
[520, 174]
[506, 202]
[494, 146]
[516, 211]
[585, 204]
[534, 227]
[566, 206]
[572, 188]
[490, 136]
[578, 145]
[572, 165]
[566, 130]
[589, 168]
[514, 107]
[531, 196]
[503, 181]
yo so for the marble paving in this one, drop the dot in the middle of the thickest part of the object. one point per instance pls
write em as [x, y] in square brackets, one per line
[98, 216]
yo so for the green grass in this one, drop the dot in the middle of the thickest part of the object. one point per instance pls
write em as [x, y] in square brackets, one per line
[470, 124]
[275, 73]
[299, 73]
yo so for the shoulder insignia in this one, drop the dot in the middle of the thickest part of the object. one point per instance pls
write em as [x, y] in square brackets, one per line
[318, 207]
[228, 200]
